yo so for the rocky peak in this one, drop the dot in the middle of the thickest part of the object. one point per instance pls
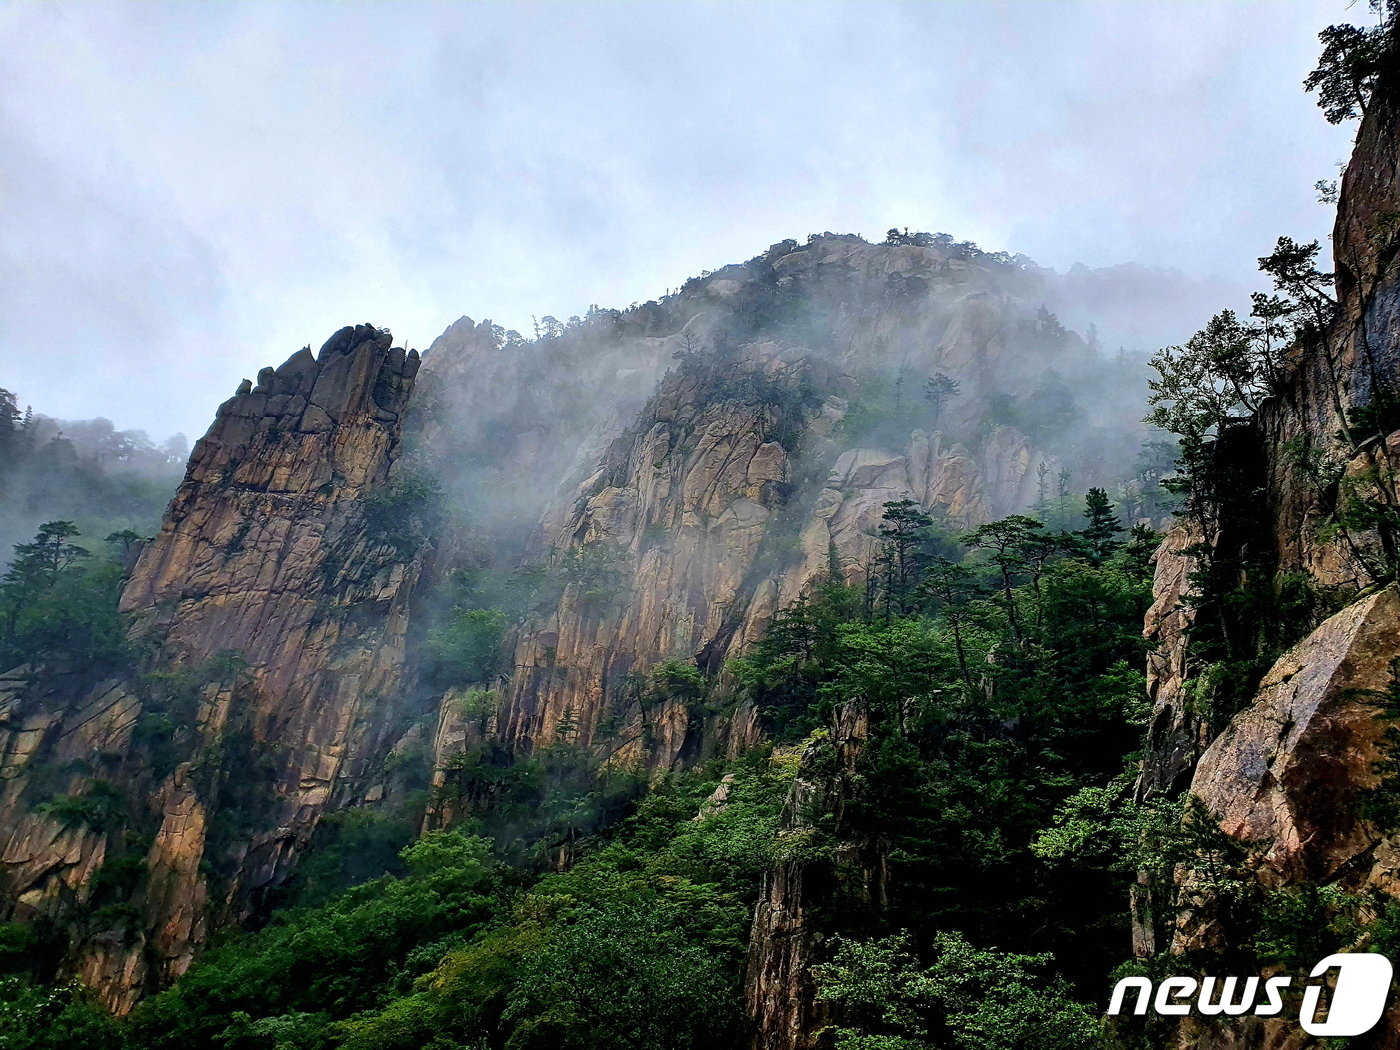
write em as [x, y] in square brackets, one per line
[277, 593]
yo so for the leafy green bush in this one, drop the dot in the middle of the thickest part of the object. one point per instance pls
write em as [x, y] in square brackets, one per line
[968, 999]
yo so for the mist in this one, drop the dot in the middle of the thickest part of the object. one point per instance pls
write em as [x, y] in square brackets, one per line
[194, 192]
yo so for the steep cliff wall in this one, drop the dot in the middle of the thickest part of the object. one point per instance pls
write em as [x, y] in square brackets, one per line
[1286, 776]
[661, 543]
[688, 485]
[273, 607]
[800, 895]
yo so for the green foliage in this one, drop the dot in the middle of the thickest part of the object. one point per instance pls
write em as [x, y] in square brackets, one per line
[781, 401]
[882, 411]
[327, 961]
[939, 389]
[102, 480]
[58, 606]
[1219, 373]
[1303, 923]
[672, 681]
[465, 647]
[1381, 804]
[622, 978]
[1102, 527]
[784, 671]
[472, 704]
[595, 574]
[35, 1017]
[639, 944]
[1006, 683]
[1355, 62]
[910, 541]
[404, 514]
[18, 942]
[100, 807]
[534, 806]
[968, 999]
[355, 846]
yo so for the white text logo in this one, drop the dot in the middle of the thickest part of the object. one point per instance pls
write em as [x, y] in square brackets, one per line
[1356, 1003]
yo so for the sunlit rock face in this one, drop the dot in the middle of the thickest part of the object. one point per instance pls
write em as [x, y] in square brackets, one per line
[276, 593]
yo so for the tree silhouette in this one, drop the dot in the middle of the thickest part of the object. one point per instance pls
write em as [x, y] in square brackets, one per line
[938, 391]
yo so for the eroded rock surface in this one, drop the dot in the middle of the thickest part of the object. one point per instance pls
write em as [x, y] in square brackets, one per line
[1287, 774]
[1286, 768]
[277, 600]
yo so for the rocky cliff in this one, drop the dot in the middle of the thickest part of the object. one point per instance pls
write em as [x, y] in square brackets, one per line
[272, 608]
[671, 476]
[695, 463]
[1288, 773]
[801, 894]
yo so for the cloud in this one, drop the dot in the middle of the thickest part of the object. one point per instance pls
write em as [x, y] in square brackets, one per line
[189, 192]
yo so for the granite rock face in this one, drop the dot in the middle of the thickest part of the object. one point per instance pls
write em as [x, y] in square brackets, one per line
[706, 511]
[274, 603]
[680, 507]
[1300, 756]
[1286, 775]
[778, 991]
[705, 526]
[663, 548]
[1174, 735]
[676, 507]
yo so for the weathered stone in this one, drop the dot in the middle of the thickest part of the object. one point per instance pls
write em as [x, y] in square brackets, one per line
[778, 991]
[1174, 736]
[1288, 773]
[265, 554]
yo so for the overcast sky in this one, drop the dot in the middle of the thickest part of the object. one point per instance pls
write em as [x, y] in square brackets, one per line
[190, 192]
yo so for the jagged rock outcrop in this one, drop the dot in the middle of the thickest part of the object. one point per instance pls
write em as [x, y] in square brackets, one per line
[707, 530]
[661, 558]
[275, 603]
[1174, 737]
[698, 528]
[799, 895]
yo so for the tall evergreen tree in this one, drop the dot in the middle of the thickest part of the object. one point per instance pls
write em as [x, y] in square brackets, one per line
[940, 389]
[1102, 528]
[905, 529]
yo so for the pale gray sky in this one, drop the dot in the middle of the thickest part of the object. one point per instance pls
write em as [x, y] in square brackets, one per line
[189, 192]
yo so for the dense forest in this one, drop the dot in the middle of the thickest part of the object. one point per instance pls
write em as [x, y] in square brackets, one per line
[77, 496]
[759, 666]
[996, 732]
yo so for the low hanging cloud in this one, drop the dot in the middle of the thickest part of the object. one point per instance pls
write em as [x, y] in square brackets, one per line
[189, 192]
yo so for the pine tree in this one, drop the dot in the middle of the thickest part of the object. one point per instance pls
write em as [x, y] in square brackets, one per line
[1100, 534]
[1355, 61]
[952, 586]
[905, 529]
[37, 567]
[1007, 543]
[938, 391]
